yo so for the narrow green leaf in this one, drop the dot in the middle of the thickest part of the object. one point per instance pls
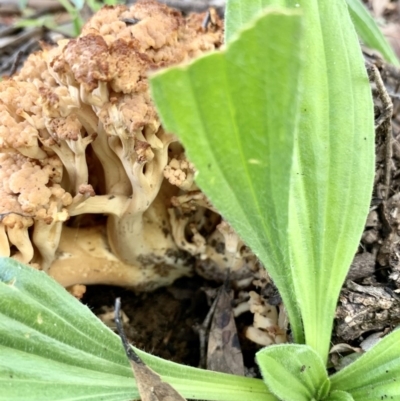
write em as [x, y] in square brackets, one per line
[369, 31]
[70, 8]
[52, 348]
[294, 372]
[78, 4]
[73, 11]
[239, 12]
[375, 375]
[239, 107]
[44, 21]
[333, 168]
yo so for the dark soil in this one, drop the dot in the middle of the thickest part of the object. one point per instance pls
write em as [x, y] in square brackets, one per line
[161, 322]
[165, 322]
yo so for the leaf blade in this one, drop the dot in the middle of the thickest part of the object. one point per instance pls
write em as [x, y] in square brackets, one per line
[333, 169]
[238, 13]
[299, 365]
[339, 396]
[329, 200]
[54, 349]
[375, 374]
[369, 31]
[218, 100]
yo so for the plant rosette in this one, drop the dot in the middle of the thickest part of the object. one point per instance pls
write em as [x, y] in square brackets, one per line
[280, 127]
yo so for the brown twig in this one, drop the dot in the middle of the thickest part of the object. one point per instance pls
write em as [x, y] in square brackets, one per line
[383, 124]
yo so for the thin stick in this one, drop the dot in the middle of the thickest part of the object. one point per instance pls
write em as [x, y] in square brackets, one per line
[383, 123]
[15, 63]
[130, 353]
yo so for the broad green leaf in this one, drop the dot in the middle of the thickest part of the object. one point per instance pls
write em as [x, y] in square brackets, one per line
[53, 348]
[294, 372]
[238, 13]
[333, 169]
[375, 375]
[235, 113]
[369, 31]
[381, 391]
[338, 395]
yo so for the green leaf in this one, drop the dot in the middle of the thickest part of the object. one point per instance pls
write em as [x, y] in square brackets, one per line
[294, 372]
[338, 395]
[375, 375]
[73, 11]
[239, 13]
[239, 108]
[207, 385]
[43, 21]
[333, 168]
[369, 31]
[53, 348]
[243, 162]
[69, 7]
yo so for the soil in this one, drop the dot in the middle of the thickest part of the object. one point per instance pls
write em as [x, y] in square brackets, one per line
[166, 322]
[161, 322]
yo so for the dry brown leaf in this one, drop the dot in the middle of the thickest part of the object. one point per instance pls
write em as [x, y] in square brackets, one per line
[224, 353]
